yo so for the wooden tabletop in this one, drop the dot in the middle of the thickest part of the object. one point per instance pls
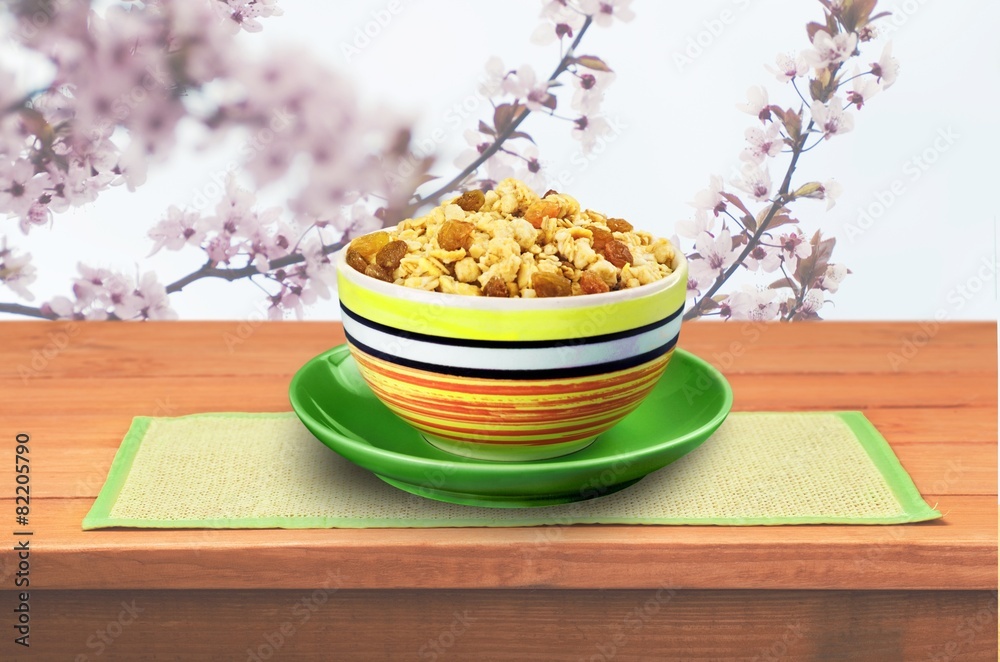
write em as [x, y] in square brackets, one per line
[930, 389]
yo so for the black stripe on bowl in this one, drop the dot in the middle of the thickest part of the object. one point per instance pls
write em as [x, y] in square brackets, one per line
[489, 373]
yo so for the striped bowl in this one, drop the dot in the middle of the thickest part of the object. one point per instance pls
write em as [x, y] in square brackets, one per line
[510, 379]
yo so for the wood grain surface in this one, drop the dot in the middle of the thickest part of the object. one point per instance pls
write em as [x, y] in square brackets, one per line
[899, 592]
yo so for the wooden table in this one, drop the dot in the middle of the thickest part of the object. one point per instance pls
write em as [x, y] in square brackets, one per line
[917, 592]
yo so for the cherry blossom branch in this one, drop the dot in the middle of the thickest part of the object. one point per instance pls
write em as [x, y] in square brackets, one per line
[780, 199]
[27, 311]
[233, 274]
[504, 135]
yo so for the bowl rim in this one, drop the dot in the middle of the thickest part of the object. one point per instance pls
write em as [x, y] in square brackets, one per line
[465, 301]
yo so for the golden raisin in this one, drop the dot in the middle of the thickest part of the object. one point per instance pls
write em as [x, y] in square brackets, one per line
[496, 287]
[541, 210]
[550, 285]
[619, 225]
[591, 283]
[355, 260]
[376, 271]
[601, 238]
[370, 244]
[617, 253]
[471, 200]
[390, 255]
[455, 234]
[551, 191]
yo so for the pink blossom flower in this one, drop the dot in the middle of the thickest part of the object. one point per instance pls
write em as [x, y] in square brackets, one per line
[693, 228]
[755, 180]
[863, 88]
[764, 258]
[91, 283]
[788, 67]
[831, 118]
[711, 199]
[588, 91]
[794, 246]
[560, 20]
[16, 271]
[762, 144]
[178, 229]
[812, 302]
[757, 103]
[831, 279]
[887, 68]
[829, 50]
[21, 188]
[152, 299]
[755, 304]
[524, 84]
[717, 255]
[244, 13]
[588, 129]
[605, 11]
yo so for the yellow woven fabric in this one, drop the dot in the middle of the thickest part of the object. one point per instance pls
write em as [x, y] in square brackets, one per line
[260, 471]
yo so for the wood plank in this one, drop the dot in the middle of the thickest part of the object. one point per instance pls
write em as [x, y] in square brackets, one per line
[183, 395]
[957, 552]
[908, 425]
[332, 623]
[70, 469]
[38, 351]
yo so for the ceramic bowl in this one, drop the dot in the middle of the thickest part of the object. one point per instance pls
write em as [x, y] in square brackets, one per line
[510, 379]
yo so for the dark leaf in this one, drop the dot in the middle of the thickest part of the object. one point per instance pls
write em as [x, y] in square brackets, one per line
[781, 219]
[812, 268]
[817, 90]
[709, 304]
[736, 202]
[882, 14]
[592, 62]
[549, 101]
[793, 124]
[522, 134]
[785, 282]
[505, 114]
[813, 28]
[486, 128]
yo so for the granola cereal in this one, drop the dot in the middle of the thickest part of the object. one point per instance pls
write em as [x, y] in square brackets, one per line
[509, 242]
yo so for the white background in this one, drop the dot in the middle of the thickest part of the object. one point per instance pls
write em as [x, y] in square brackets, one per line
[929, 251]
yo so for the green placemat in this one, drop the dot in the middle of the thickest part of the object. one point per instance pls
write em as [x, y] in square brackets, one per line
[267, 471]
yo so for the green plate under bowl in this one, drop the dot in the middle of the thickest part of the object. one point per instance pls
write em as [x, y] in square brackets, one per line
[688, 404]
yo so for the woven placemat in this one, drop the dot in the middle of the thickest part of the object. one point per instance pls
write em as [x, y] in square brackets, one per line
[240, 470]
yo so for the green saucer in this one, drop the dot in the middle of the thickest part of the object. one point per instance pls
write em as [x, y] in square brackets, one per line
[687, 405]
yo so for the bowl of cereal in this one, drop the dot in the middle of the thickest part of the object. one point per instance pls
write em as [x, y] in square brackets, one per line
[510, 326]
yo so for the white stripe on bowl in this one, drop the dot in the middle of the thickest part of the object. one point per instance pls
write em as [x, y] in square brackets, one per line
[529, 358]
